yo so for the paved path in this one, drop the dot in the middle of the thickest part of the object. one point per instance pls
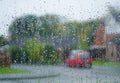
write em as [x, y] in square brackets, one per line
[98, 74]
[36, 72]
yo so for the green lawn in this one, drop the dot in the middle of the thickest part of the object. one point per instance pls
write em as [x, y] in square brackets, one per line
[105, 63]
[6, 70]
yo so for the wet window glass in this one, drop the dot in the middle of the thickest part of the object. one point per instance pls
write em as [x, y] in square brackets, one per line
[84, 56]
[59, 41]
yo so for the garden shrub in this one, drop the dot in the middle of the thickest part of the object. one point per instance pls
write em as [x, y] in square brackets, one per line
[35, 50]
[50, 54]
[56, 58]
[84, 45]
[19, 54]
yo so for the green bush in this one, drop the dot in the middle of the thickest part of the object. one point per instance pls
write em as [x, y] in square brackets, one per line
[3, 41]
[56, 58]
[84, 45]
[51, 55]
[19, 54]
[35, 50]
[48, 53]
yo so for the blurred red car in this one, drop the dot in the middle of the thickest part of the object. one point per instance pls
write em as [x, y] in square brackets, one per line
[79, 58]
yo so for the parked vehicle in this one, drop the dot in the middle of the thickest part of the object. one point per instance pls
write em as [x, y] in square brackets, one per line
[79, 58]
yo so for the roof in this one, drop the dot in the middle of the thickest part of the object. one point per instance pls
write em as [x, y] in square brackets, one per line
[115, 40]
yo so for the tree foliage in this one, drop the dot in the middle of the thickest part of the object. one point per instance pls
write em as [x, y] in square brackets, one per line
[34, 48]
[48, 25]
[3, 40]
[83, 31]
[48, 53]
[23, 26]
[19, 54]
[31, 26]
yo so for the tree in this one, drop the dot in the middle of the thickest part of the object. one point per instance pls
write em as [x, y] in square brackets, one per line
[48, 25]
[23, 27]
[83, 31]
[31, 26]
[73, 28]
[3, 40]
[34, 48]
[115, 13]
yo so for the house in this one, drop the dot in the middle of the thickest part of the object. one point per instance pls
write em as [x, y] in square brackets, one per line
[112, 47]
[112, 34]
[106, 39]
[98, 48]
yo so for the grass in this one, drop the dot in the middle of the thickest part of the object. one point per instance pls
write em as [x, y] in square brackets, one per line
[105, 63]
[7, 70]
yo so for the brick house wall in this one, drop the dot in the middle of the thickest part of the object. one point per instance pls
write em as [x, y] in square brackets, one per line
[99, 34]
[102, 39]
[97, 49]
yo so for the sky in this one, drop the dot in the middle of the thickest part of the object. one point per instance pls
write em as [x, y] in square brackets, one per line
[80, 10]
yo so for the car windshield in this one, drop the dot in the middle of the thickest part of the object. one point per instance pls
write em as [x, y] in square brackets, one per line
[73, 53]
[72, 56]
[84, 56]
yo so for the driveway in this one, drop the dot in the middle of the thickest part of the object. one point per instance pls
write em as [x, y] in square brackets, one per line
[97, 74]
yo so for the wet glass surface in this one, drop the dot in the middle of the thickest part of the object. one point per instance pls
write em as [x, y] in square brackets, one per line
[37, 37]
